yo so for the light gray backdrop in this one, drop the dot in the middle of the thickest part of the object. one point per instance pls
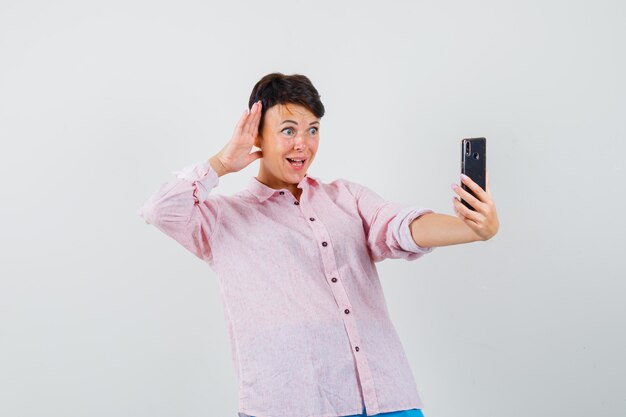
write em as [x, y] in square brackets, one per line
[103, 315]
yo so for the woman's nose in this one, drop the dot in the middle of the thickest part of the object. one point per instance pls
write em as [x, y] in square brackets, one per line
[299, 142]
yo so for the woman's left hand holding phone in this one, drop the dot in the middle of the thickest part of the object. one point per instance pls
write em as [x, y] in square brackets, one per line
[484, 220]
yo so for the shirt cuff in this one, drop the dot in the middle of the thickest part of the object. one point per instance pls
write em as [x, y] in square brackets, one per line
[202, 176]
[405, 239]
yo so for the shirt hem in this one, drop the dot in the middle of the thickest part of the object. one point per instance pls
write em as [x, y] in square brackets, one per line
[242, 412]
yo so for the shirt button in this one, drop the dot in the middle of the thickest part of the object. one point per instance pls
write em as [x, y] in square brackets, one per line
[296, 202]
[282, 193]
[334, 279]
[346, 311]
[312, 219]
[324, 244]
[356, 348]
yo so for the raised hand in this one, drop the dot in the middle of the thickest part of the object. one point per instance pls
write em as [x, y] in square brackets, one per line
[235, 155]
[484, 221]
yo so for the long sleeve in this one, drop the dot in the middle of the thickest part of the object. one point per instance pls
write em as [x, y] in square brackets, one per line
[386, 225]
[184, 210]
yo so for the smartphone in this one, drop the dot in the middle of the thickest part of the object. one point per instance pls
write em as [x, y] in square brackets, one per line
[474, 163]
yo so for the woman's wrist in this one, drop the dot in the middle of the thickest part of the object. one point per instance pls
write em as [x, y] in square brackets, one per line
[217, 166]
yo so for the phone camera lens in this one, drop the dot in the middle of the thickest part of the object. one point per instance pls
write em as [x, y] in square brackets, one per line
[467, 148]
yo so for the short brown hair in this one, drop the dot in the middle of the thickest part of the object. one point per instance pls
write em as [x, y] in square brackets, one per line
[277, 88]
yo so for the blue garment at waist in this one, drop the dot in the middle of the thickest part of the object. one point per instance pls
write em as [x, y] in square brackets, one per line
[414, 412]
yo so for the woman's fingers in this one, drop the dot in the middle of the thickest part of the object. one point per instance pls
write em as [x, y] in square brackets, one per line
[246, 130]
[256, 119]
[470, 216]
[241, 123]
[478, 191]
[473, 201]
[484, 221]
[252, 123]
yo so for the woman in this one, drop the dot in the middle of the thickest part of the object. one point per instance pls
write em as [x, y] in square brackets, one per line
[295, 257]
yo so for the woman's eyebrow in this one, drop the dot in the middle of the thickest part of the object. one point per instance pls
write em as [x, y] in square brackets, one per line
[295, 123]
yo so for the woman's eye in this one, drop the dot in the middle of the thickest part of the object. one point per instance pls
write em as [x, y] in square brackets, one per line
[313, 130]
[288, 131]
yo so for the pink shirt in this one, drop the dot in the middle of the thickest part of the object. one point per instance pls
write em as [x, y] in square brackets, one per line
[308, 324]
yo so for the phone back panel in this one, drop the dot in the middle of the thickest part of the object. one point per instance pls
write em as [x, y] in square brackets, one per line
[474, 163]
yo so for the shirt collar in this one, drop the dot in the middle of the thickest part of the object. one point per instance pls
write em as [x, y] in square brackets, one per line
[262, 192]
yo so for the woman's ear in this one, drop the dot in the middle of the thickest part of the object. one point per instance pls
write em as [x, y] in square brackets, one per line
[257, 140]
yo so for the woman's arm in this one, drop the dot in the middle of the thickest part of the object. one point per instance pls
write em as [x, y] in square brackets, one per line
[184, 210]
[434, 229]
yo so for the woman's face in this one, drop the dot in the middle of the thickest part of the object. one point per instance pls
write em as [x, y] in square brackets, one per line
[289, 131]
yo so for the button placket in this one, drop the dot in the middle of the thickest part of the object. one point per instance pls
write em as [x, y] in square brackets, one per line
[345, 308]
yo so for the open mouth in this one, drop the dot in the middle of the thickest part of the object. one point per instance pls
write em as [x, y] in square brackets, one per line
[296, 162]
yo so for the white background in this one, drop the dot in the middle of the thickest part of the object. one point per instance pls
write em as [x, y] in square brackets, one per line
[103, 315]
